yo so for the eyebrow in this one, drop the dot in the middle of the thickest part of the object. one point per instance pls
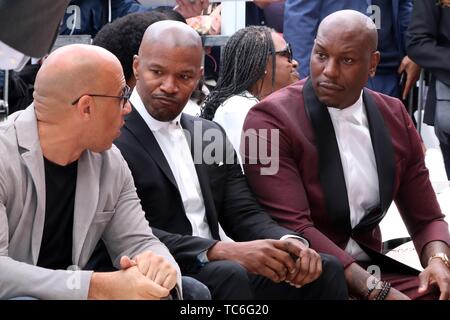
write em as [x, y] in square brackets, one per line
[318, 45]
[157, 65]
[344, 51]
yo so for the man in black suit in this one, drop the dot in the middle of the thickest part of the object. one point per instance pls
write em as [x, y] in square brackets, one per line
[429, 46]
[187, 186]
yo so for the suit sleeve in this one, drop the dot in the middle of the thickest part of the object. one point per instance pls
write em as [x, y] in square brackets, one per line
[240, 215]
[19, 279]
[415, 199]
[301, 20]
[185, 248]
[282, 192]
[128, 232]
[422, 39]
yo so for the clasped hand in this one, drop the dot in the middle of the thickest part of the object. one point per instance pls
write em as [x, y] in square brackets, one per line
[280, 260]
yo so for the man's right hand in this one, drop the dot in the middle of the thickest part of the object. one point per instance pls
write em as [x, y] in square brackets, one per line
[274, 259]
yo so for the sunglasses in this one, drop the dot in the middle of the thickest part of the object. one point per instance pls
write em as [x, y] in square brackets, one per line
[123, 98]
[286, 52]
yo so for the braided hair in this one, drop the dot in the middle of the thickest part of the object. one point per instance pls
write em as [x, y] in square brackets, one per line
[243, 63]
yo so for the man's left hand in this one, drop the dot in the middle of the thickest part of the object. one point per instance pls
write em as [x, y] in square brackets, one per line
[308, 265]
[157, 268]
[436, 272]
[190, 9]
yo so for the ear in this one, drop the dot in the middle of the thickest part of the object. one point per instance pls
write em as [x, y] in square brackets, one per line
[136, 66]
[374, 60]
[200, 73]
[84, 107]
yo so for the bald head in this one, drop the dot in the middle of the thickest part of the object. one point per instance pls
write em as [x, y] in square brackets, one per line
[71, 71]
[170, 34]
[352, 23]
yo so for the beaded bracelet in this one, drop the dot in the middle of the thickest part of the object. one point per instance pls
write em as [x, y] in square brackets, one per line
[384, 291]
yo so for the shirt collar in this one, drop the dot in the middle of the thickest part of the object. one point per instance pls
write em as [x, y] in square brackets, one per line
[353, 113]
[152, 123]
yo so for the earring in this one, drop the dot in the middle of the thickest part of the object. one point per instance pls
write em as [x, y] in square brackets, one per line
[265, 71]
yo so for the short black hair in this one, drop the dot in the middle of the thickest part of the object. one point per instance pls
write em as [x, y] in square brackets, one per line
[123, 36]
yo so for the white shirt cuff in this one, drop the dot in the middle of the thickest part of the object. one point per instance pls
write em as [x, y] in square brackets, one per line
[303, 240]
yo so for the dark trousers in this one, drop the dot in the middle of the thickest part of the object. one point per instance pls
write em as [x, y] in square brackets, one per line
[194, 289]
[228, 280]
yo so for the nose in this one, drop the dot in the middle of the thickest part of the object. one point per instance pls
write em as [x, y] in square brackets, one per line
[331, 68]
[294, 63]
[169, 85]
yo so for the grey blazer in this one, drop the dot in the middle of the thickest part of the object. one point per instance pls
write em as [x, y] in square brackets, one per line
[106, 206]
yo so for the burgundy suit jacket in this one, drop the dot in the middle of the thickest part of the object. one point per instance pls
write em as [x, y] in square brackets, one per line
[308, 192]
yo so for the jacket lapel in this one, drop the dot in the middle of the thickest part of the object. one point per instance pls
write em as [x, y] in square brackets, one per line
[30, 147]
[331, 174]
[384, 157]
[86, 199]
[202, 173]
[144, 135]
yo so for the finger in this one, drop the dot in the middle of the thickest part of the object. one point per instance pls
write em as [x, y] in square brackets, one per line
[143, 264]
[444, 288]
[293, 249]
[154, 289]
[444, 295]
[319, 267]
[408, 85]
[170, 281]
[163, 271]
[401, 68]
[423, 281]
[305, 259]
[299, 275]
[278, 267]
[153, 269]
[313, 273]
[283, 253]
[268, 273]
[126, 262]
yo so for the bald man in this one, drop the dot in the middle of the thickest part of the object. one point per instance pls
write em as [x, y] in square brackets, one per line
[62, 188]
[186, 190]
[346, 153]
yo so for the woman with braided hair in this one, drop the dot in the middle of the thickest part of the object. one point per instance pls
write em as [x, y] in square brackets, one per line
[256, 61]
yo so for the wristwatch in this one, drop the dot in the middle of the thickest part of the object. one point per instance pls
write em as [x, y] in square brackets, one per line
[442, 256]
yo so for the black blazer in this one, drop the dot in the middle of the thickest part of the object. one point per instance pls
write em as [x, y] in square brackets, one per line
[226, 194]
[428, 44]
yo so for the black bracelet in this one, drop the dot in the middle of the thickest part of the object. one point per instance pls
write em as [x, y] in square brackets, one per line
[384, 291]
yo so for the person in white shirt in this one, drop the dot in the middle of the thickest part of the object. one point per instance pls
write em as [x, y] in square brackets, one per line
[345, 153]
[256, 61]
[185, 195]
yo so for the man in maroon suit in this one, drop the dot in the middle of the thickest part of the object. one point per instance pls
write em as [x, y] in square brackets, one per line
[344, 154]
